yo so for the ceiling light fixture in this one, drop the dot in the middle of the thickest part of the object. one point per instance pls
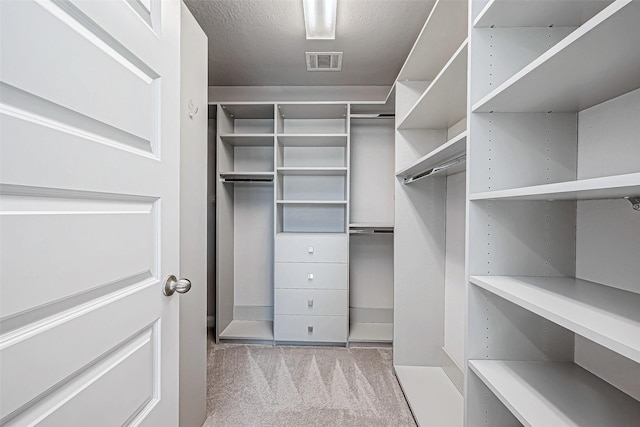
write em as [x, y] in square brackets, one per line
[320, 19]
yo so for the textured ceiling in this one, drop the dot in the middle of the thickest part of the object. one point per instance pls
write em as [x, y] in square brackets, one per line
[262, 42]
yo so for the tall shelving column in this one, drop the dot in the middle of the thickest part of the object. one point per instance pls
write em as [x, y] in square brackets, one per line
[553, 300]
[371, 222]
[430, 193]
[244, 222]
[312, 216]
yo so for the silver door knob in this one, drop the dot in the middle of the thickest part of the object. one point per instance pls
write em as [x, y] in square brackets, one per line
[171, 285]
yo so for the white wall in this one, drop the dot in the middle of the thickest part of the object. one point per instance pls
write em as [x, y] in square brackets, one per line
[253, 245]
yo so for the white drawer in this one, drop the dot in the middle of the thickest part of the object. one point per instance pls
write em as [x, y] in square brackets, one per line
[313, 247]
[312, 302]
[311, 328]
[310, 275]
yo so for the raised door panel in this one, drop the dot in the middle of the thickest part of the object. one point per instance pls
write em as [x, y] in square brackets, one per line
[66, 39]
[78, 245]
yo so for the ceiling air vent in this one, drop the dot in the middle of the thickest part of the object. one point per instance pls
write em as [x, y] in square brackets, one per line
[324, 61]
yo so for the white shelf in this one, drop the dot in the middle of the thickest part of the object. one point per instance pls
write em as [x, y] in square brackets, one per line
[444, 102]
[313, 140]
[444, 30]
[578, 72]
[609, 187]
[371, 332]
[556, 394]
[248, 139]
[312, 202]
[313, 171]
[246, 176]
[455, 147]
[536, 13]
[432, 397]
[313, 111]
[308, 233]
[248, 330]
[381, 109]
[605, 315]
[249, 111]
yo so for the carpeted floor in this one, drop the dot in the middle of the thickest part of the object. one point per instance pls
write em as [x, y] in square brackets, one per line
[256, 385]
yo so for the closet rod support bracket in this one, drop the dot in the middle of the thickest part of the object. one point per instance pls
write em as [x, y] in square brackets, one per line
[635, 202]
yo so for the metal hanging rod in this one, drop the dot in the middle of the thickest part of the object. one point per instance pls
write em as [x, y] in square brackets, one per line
[238, 177]
[371, 231]
[238, 180]
[435, 170]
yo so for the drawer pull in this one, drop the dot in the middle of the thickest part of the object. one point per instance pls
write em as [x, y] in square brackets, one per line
[310, 329]
[310, 303]
[310, 276]
[310, 250]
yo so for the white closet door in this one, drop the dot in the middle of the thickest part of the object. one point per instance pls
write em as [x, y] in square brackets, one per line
[89, 212]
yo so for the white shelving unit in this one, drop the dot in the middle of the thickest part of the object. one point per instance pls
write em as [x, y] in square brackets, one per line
[244, 221]
[605, 315]
[429, 234]
[444, 102]
[312, 213]
[527, 251]
[607, 187]
[556, 394]
[576, 73]
[312, 168]
[553, 320]
[372, 224]
[282, 222]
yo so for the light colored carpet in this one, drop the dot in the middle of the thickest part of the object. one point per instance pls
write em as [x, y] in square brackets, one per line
[257, 385]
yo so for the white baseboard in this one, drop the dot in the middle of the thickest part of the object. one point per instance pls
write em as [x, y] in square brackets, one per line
[211, 322]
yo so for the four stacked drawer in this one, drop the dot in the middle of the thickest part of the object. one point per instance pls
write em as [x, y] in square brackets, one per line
[311, 291]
